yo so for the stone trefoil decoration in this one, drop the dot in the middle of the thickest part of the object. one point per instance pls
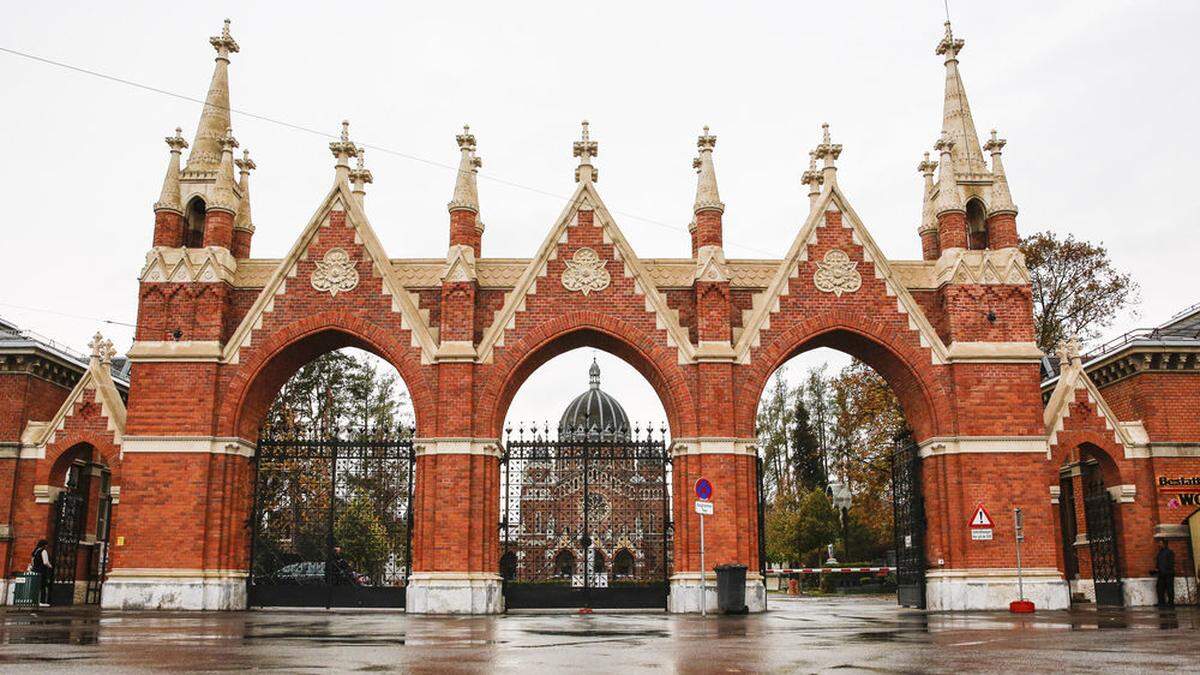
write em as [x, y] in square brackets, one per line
[836, 274]
[585, 272]
[335, 273]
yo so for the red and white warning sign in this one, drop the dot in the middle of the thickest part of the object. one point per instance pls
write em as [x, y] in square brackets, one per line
[981, 525]
[982, 519]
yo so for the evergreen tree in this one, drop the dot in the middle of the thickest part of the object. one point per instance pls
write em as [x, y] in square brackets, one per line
[808, 465]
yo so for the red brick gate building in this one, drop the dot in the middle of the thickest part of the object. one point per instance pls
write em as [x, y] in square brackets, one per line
[219, 332]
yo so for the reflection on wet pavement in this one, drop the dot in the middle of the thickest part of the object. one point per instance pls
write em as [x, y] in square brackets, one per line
[798, 635]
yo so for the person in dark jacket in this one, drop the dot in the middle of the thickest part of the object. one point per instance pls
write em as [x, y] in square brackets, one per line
[1164, 567]
[40, 565]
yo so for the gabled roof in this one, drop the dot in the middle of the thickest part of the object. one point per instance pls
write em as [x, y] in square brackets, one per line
[338, 198]
[586, 197]
[767, 302]
[97, 382]
[1058, 407]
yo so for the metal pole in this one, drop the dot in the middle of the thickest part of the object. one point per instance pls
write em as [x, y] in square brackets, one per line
[1019, 536]
[703, 594]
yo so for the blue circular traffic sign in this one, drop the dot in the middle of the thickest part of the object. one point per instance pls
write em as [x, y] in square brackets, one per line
[703, 489]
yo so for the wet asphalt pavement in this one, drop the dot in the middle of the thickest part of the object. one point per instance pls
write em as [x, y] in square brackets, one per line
[797, 635]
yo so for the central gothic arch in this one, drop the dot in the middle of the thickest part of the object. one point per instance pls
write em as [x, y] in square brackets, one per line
[219, 331]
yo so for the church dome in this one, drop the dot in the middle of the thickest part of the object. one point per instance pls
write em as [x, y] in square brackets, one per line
[594, 410]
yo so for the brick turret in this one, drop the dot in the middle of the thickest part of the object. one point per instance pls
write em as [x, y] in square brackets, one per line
[466, 229]
[222, 207]
[930, 248]
[1002, 213]
[243, 224]
[168, 210]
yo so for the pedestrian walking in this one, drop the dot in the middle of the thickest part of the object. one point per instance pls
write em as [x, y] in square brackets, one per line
[1164, 567]
[40, 565]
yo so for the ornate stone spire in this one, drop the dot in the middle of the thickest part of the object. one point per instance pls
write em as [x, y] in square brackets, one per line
[812, 178]
[466, 189]
[245, 165]
[594, 375]
[214, 119]
[585, 149]
[956, 113]
[169, 199]
[1001, 198]
[343, 149]
[949, 197]
[360, 176]
[707, 196]
[223, 196]
[829, 152]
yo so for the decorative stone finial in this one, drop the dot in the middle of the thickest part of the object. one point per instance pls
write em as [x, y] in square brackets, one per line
[343, 149]
[245, 165]
[948, 198]
[927, 167]
[223, 197]
[107, 352]
[97, 346]
[829, 152]
[169, 197]
[585, 149]
[1069, 351]
[949, 46]
[176, 143]
[360, 176]
[466, 189]
[813, 179]
[224, 43]
[995, 144]
[708, 198]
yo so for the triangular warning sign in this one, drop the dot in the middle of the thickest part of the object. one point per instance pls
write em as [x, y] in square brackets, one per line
[981, 519]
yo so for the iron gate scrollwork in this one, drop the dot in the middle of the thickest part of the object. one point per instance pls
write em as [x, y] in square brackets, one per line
[1101, 535]
[332, 522]
[70, 511]
[585, 518]
[1068, 530]
[908, 509]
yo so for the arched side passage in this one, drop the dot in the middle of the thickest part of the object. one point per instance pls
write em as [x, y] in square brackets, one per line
[257, 381]
[908, 371]
[656, 362]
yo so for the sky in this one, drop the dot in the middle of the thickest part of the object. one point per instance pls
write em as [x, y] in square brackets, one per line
[1097, 101]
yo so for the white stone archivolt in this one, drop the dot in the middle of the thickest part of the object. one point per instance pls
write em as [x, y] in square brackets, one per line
[585, 272]
[836, 274]
[335, 273]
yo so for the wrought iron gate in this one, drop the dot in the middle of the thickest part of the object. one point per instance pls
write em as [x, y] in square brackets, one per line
[908, 509]
[1101, 535]
[70, 510]
[585, 519]
[332, 519]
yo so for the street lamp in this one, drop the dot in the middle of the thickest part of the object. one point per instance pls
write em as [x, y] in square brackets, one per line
[840, 493]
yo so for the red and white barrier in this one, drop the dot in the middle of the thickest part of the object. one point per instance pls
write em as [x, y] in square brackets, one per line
[823, 570]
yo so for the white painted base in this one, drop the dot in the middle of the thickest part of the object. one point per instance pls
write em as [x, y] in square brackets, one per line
[454, 593]
[173, 589]
[1140, 591]
[685, 593]
[974, 589]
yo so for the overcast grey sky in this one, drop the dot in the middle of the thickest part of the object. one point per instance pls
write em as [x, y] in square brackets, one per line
[1098, 101]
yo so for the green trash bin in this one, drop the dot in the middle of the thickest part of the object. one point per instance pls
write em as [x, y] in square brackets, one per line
[26, 589]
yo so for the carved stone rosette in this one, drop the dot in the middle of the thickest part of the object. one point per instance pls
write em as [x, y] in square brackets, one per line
[335, 273]
[837, 274]
[585, 272]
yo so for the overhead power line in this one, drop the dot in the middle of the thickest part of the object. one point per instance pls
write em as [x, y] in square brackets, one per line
[324, 134]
